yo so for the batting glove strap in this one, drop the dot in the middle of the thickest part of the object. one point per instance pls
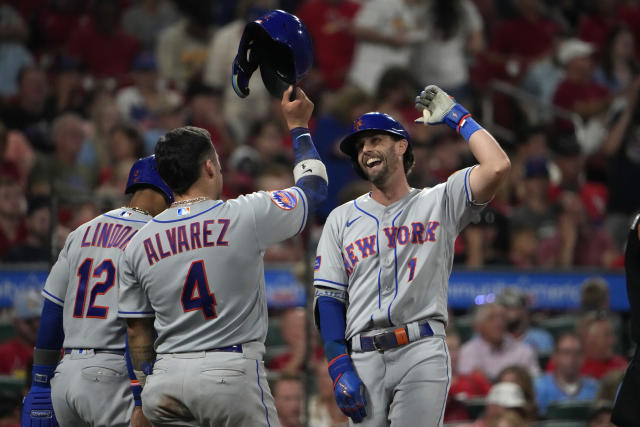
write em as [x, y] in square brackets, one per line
[41, 376]
[136, 391]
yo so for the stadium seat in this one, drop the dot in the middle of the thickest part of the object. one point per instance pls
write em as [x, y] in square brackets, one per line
[576, 410]
[475, 406]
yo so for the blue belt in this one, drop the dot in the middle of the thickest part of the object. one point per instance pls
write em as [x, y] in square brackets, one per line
[95, 350]
[396, 338]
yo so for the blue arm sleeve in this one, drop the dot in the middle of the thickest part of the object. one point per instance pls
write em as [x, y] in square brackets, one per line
[332, 316]
[314, 187]
[50, 332]
[136, 388]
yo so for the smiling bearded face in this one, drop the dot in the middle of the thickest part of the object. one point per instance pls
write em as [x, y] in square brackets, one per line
[378, 157]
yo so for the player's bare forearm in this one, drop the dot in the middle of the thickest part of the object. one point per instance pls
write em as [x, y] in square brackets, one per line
[493, 168]
[141, 337]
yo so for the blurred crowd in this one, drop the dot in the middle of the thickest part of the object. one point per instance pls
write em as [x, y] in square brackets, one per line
[87, 87]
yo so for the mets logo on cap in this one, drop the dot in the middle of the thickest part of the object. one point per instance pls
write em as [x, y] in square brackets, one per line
[284, 199]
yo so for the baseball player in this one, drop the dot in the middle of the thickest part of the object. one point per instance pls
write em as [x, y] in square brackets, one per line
[195, 277]
[90, 386]
[383, 263]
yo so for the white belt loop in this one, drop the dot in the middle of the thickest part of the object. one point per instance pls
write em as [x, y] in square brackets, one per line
[413, 330]
[355, 343]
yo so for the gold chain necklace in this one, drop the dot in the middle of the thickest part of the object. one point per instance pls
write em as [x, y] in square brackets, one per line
[190, 201]
[142, 211]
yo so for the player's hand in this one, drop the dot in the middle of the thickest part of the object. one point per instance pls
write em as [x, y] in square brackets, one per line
[349, 394]
[348, 388]
[37, 409]
[441, 107]
[298, 112]
[138, 419]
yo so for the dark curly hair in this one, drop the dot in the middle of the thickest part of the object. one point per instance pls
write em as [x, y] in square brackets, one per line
[179, 155]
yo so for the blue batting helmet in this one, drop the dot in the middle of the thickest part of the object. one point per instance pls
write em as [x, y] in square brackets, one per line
[375, 122]
[144, 172]
[280, 44]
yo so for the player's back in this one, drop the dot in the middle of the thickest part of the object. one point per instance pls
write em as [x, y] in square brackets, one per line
[84, 280]
[200, 268]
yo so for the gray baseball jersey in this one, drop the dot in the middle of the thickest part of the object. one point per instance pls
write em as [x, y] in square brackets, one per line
[394, 261]
[198, 269]
[83, 280]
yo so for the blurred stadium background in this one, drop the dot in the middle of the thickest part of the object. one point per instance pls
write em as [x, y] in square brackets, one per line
[87, 87]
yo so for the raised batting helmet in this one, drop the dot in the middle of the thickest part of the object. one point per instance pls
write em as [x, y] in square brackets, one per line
[144, 172]
[380, 122]
[280, 45]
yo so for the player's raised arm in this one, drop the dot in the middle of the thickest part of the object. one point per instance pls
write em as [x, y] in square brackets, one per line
[309, 173]
[494, 165]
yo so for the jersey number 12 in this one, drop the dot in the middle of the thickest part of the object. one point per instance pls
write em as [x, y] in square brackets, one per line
[196, 294]
[84, 274]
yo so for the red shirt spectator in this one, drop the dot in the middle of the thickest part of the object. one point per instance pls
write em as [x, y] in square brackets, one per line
[527, 38]
[101, 44]
[329, 22]
[569, 93]
[629, 14]
[15, 355]
[597, 368]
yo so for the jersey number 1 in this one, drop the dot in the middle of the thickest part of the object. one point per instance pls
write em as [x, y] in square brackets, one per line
[196, 294]
[84, 273]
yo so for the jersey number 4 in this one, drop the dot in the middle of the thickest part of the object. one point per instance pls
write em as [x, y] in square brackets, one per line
[101, 288]
[196, 294]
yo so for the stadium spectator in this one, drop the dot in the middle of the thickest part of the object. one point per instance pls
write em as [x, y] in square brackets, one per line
[594, 295]
[346, 106]
[136, 103]
[222, 51]
[493, 349]
[145, 19]
[594, 27]
[204, 106]
[13, 229]
[100, 44]
[181, 50]
[60, 174]
[526, 38]
[520, 376]
[454, 34]
[16, 354]
[463, 386]
[36, 245]
[26, 112]
[323, 410]
[618, 63]
[598, 341]
[68, 94]
[104, 116]
[13, 53]
[578, 92]
[394, 96]
[288, 394]
[293, 329]
[516, 305]
[167, 114]
[502, 397]
[486, 241]
[523, 247]
[576, 241]
[385, 31]
[330, 24]
[536, 210]
[56, 21]
[565, 382]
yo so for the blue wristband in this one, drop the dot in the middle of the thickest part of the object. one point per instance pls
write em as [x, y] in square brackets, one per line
[468, 127]
[41, 376]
